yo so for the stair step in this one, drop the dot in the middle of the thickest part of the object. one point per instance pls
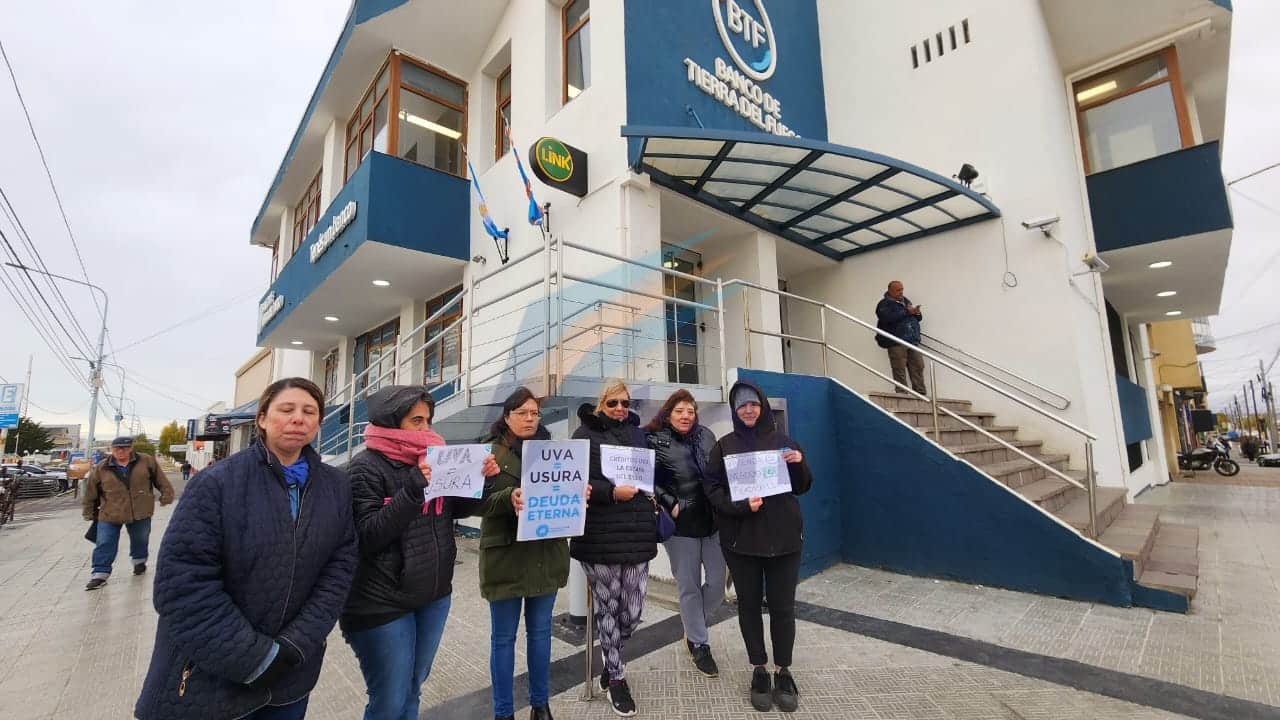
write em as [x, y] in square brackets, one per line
[1051, 493]
[1076, 513]
[1020, 471]
[1174, 560]
[924, 419]
[987, 453]
[966, 436]
[901, 401]
[1132, 534]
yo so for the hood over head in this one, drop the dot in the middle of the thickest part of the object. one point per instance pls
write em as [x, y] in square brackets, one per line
[765, 423]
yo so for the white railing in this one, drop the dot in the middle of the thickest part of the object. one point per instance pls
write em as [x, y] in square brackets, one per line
[1007, 378]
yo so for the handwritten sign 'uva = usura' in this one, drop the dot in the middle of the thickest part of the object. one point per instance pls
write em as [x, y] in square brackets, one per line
[457, 471]
[559, 165]
[554, 481]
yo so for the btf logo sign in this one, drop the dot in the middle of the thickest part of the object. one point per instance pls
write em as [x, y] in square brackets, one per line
[759, 56]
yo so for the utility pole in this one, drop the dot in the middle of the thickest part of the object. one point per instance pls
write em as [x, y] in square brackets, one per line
[1257, 412]
[22, 410]
[1266, 396]
[1245, 389]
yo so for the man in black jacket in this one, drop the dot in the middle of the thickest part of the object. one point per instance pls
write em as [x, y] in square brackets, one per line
[896, 315]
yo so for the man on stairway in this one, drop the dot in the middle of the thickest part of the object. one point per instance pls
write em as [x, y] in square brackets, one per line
[896, 315]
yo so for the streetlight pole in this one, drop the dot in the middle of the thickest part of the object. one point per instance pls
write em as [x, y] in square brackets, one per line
[96, 380]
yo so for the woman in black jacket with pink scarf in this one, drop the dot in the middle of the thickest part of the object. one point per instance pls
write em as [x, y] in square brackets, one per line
[400, 598]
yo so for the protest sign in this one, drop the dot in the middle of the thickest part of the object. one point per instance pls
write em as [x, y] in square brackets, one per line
[628, 466]
[756, 474]
[456, 471]
[554, 481]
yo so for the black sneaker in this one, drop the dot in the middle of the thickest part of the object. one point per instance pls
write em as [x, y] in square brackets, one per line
[785, 692]
[704, 662]
[140, 569]
[541, 713]
[95, 583]
[604, 679]
[761, 692]
[620, 698]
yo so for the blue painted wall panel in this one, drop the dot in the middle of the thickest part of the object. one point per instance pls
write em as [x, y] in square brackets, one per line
[661, 34]
[1134, 411]
[904, 505]
[1173, 195]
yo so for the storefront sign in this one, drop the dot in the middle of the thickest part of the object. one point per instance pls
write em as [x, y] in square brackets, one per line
[736, 87]
[337, 224]
[628, 466]
[756, 474]
[554, 483]
[269, 308]
[456, 471]
[561, 166]
[216, 426]
[10, 405]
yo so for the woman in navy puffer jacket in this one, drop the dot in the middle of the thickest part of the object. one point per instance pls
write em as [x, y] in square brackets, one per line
[253, 572]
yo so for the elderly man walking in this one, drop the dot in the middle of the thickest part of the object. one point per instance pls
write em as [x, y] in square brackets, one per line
[897, 316]
[120, 493]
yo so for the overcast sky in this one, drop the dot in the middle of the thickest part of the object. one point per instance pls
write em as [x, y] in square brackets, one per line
[164, 123]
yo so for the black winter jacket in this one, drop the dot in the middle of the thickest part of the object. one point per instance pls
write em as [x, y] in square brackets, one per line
[777, 528]
[236, 571]
[678, 477]
[617, 533]
[406, 556]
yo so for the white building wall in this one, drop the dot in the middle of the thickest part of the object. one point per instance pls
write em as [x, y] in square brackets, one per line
[998, 103]
[290, 363]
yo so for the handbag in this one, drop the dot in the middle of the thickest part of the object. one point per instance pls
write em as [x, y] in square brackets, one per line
[92, 533]
[666, 526]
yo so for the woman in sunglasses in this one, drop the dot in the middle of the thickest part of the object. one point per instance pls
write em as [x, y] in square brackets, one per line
[620, 538]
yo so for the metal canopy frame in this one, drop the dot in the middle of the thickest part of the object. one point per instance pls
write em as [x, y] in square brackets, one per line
[835, 200]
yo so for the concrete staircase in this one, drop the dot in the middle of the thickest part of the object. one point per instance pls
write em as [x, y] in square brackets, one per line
[1164, 555]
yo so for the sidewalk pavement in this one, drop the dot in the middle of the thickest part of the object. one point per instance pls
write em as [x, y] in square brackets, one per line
[871, 644]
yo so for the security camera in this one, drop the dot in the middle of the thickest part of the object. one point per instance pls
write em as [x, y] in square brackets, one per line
[1040, 223]
[1095, 263]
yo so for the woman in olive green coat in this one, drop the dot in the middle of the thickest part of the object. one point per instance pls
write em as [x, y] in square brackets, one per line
[516, 575]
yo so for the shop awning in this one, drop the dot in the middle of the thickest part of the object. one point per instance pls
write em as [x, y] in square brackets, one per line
[836, 200]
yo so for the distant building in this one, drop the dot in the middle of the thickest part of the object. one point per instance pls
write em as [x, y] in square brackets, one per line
[64, 437]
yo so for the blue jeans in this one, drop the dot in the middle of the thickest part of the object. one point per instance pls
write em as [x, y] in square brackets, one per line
[395, 659]
[505, 617]
[292, 711]
[108, 544]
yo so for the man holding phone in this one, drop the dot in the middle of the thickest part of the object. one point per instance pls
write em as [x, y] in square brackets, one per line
[897, 316]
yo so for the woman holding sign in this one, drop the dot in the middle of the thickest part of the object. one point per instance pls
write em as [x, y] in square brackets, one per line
[682, 446]
[620, 537]
[400, 598]
[753, 477]
[518, 575]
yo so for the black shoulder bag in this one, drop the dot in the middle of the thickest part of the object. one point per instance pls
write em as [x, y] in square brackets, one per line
[92, 533]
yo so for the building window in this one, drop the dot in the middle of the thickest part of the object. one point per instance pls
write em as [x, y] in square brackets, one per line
[1134, 112]
[331, 374]
[503, 143]
[430, 111]
[443, 360]
[367, 129]
[307, 213]
[376, 349]
[275, 259]
[576, 26]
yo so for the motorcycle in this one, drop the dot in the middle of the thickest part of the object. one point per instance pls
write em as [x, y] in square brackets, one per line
[1216, 456]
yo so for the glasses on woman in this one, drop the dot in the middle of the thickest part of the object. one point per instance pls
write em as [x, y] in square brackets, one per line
[527, 413]
[616, 403]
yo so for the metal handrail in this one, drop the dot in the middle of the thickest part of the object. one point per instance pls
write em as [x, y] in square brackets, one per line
[1062, 401]
[1090, 484]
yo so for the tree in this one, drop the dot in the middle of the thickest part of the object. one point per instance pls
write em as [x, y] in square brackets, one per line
[32, 436]
[172, 434]
[143, 445]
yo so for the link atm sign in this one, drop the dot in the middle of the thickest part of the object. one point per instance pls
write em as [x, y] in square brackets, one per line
[561, 166]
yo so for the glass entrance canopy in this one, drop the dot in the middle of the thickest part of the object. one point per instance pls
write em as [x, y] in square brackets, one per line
[836, 200]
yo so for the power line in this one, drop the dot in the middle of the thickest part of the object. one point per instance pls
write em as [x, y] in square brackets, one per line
[182, 323]
[1272, 166]
[40, 294]
[50, 340]
[49, 174]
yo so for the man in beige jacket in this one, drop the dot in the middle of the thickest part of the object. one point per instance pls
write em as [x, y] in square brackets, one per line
[120, 492]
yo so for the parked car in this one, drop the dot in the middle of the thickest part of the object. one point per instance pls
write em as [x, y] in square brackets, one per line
[1269, 460]
[35, 481]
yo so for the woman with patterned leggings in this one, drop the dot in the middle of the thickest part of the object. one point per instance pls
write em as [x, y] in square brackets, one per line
[619, 540]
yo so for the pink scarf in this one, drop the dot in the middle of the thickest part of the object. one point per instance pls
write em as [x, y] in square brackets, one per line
[406, 446]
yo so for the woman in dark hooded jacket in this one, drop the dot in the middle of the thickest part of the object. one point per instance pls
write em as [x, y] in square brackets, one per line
[762, 539]
[619, 540]
[400, 598]
[518, 574]
[681, 446]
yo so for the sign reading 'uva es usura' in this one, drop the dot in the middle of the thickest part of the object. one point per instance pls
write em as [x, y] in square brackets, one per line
[559, 165]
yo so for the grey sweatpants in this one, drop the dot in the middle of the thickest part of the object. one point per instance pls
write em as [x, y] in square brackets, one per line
[699, 596]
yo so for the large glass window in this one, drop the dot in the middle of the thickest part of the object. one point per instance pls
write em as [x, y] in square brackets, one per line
[502, 143]
[377, 349]
[367, 129]
[306, 213]
[331, 374]
[1131, 113]
[275, 259]
[443, 361]
[430, 132]
[576, 26]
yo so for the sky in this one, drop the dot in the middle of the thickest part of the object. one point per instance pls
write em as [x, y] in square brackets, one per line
[163, 124]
